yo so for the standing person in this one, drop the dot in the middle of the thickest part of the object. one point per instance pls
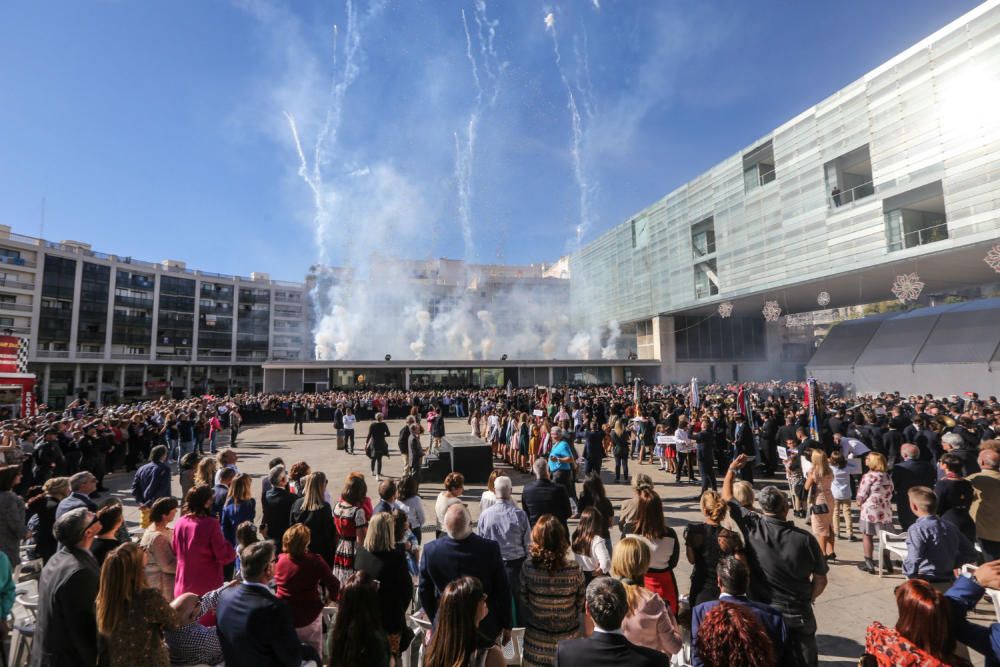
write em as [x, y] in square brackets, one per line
[380, 558]
[543, 496]
[985, 508]
[789, 569]
[619, 448]
[66, 626]
[409, 496]
[461, 552]
[562, 458]
[906, 474]
[590, 545]
[874, 499]
[317, 515]
[705, 449]
[235, 421]
[454, 487]
[202, 552]
[414, 451]
[925, 631]
[819, 483]
[111, 519]
[276, 507]
[255, 627]
[151, 482]
[507, 525]
[12, 521]
[186, 471]
[54, 491]
[349, 422]
[743, 444]
[376, 443]
[842, 495]
[299, 416]
[437, 430]
[185, 434]
[665, 549]
[456, 641]
[240, 506]
[299, 577]
[157, 542]
[955, 496]
[648, 621]
[606, 607]
[357, 637]
[935, 548]
[702, 547]
[82, 484]
[552, 588]
[593, 449]
[131, 617]
[351, 524]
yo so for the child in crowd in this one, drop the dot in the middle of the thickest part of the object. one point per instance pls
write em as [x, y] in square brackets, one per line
[841, 493]
[246, 534]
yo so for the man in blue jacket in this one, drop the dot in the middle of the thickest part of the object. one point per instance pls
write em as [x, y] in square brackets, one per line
[734, 581]
[964, 594]
[151, 482]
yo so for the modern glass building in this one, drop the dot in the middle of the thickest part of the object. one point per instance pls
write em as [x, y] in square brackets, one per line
[896, 173]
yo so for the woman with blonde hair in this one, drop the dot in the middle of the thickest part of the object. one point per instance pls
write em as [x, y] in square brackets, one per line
[875, 500]
[240, 506]
[131, 617]
[315, 513]
[649, 621]
[819, 485]
[204, 474]
[703, 550]
[157, 542]
[380, 558]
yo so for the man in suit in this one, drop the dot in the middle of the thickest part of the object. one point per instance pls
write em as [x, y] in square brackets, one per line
[734, 580]
[543, 496]
[226, 477]
[460, 553]
[255, 627]
[607, 606]
[743, 444]
[908, 473]
[82, 484]
[66, 630]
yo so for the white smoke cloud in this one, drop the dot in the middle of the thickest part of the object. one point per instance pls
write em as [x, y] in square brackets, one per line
[609, 351]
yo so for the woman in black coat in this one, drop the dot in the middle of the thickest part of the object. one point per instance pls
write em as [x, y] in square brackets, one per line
[384, 562]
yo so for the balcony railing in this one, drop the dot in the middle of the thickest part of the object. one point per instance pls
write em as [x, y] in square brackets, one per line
[52, 354]
[16, 261]
[89, 355]
[124, 356]
[15, 284]
[134, 302]
[160, 356]
[917, 237]
[19, 307]
[852, 195]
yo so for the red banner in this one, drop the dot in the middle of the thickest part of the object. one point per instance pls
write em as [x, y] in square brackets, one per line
[9, 347]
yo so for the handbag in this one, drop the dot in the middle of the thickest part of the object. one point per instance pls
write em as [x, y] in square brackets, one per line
[819, 509]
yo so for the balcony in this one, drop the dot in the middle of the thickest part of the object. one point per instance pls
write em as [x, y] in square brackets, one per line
[254, 356]
[18, 307]
[126, 356]
[162, 356]
[52, 354]
[16, 284]
[17, 261]
[134, 302]
[89, 355]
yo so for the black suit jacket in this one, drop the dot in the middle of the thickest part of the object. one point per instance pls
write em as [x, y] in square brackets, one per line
[543, 496]
[446, 559]
[607, 650]
[277, 509]
[66, 631]
[906, 475]
[256, 628]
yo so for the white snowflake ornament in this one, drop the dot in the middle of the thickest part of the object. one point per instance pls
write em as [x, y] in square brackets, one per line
[823, 298]
[993, 258]
[725, 309]
[771, 311]
[907, 287]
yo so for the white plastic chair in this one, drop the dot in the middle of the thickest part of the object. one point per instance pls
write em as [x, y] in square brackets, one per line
[992, 593]
[894, 543]
[513, 650]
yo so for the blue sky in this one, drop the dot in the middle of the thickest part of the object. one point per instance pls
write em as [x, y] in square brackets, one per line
[157, 129]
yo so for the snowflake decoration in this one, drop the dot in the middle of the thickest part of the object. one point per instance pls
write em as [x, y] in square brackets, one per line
[993, 258]
[771, 311]
[907, 287]
[726, 309]
[790, 322]
[823, 299]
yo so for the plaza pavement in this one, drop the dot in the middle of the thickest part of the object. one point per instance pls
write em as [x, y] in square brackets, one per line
[852, 600]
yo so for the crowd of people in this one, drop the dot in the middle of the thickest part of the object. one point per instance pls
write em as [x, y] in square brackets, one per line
[222, 574]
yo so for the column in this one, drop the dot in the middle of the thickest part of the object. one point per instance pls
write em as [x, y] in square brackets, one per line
[100, 385]
[229, 382]
[187, 382]
[74, 327]
[112, 282]
[156, 325]
[76, 379]
[121, 382]
[406, 379]
[665, 349]
[197, 320]
[145, 374]
[250, 380]
[46, 376]
[284, 373]
[236, 318]
[552, 376]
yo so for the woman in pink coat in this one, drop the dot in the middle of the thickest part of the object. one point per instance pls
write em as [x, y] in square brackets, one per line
[201, 549]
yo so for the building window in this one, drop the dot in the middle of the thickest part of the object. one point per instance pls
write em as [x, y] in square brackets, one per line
[706, 279]
[758, 167]
[849, 177]
[915, 218]
[640, 233]
[703, 237]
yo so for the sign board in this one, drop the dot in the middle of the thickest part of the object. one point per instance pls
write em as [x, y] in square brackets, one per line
[666, 440]
[9, 348]
[537, 413]
[782, 453]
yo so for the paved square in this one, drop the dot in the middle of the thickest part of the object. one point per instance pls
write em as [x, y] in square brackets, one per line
[851, 601]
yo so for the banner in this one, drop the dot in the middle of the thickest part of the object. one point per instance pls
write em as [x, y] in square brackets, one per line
[10, 347]
[811, 397]
[695, 397]
[742, 403]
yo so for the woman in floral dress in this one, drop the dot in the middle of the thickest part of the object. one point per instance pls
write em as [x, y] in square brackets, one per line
[350, 520]
[875, 501]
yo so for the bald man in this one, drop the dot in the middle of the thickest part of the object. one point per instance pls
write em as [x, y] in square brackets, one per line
[194, 643]
[906, 474]
[985, 509]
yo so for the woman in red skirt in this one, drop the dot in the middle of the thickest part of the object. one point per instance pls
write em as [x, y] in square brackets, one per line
[664, 545]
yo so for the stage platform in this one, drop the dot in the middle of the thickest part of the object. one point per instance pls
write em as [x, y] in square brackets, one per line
[462, 453]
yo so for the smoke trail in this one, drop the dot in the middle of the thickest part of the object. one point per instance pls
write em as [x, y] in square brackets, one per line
[577, 126]
[609, 351]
